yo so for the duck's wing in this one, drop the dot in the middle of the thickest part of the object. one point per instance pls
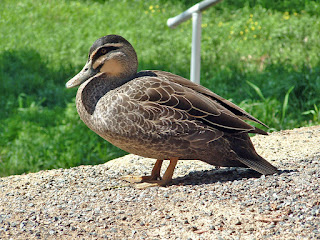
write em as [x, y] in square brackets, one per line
[200, 89]
[166, 90]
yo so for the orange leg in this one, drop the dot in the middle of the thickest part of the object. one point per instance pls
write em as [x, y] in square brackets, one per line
[155, 174]
[154, 179]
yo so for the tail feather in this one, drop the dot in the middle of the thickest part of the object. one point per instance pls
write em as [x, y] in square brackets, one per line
[260, 165]
[246, 154]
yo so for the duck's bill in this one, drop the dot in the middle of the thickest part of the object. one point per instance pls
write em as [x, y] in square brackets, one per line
[86, 73]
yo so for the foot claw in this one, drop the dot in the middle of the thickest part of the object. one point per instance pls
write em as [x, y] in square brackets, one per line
[138, 179]
[145, 185]
[131, 178]
[143, 182]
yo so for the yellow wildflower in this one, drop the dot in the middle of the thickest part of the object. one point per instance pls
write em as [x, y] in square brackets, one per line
[231, 32]
[157, 6]
[241, 32]
[286, 17]
[220, 24]
[251, 15]
[244, 38]
[256, 23]
[259, 27]
[254, 36]
[296, 14]
[204, 25]
[253, 28]
[150, 7]
[246, 30]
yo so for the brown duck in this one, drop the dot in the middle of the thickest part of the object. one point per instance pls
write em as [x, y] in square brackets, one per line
[160, 115]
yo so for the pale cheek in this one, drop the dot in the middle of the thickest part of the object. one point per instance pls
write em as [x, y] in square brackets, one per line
[112, 67]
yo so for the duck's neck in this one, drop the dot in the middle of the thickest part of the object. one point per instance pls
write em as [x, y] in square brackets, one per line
[90, 92]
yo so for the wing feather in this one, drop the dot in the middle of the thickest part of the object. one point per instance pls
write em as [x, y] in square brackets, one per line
[161, 91]
[198, 88]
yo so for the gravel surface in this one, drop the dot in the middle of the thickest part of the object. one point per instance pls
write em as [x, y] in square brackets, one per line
[90, 202]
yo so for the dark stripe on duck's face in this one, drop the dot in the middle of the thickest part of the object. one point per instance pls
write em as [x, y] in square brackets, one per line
[103, 50]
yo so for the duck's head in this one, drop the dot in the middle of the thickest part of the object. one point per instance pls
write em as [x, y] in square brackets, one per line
[110, 56]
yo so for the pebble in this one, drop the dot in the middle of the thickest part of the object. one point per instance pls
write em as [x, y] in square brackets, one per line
[90, 202]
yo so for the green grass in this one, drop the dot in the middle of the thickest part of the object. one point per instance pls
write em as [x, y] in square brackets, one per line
[262, 55]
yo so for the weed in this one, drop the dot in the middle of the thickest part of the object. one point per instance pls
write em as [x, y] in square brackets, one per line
[253, 52]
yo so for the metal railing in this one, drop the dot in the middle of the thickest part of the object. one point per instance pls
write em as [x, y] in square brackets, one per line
[196, 13]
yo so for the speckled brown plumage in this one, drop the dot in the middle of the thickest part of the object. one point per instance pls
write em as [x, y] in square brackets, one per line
[160, 115]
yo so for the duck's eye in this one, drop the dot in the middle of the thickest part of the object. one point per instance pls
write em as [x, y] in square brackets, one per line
[105, 50]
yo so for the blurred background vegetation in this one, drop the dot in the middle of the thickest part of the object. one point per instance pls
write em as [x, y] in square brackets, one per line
[263, 55]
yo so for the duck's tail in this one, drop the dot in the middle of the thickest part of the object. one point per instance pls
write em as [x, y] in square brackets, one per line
[260, 165]
[243, 147]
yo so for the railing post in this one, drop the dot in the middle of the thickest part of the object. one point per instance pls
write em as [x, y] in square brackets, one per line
[196, 13]
[196, 47]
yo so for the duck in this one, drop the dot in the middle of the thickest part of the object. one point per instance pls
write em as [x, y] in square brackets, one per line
[160, 115]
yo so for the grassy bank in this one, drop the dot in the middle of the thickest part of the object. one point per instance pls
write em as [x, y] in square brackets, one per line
[263, 56]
